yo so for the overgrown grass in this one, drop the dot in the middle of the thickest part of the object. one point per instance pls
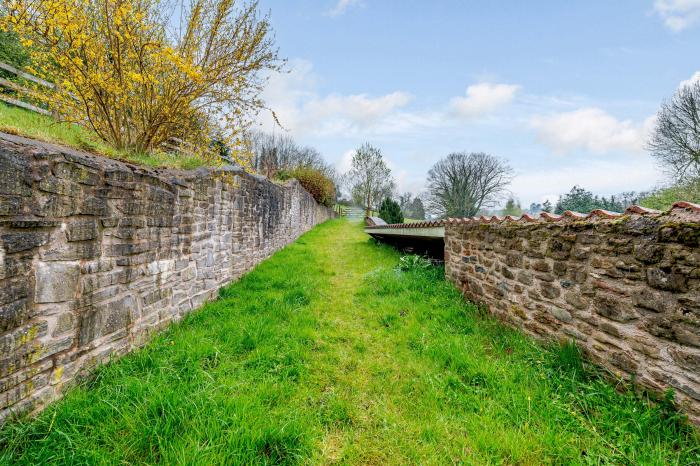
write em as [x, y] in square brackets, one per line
[330, 353]
[22, 122]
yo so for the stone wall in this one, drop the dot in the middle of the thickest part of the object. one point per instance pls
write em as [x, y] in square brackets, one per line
[96, 255]
[626, 287]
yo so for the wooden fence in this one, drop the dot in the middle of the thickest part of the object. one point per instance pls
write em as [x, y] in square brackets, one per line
[21, 91]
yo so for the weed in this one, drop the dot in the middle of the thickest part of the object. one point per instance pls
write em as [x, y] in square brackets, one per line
[413, 262]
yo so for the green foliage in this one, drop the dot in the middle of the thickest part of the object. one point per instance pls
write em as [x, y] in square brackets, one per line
[11, 51]
[547, 206]
[417, 210]
[324, 354]
[512, 208]
[390, 211]
[315, 182]
[580, 200]
[412, 262]
[664, 198]
[412, 207]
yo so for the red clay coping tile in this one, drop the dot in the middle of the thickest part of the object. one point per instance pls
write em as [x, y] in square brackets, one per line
[598, 214]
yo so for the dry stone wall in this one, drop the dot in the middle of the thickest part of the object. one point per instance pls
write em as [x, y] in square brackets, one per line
[96, 255]
[626, 287]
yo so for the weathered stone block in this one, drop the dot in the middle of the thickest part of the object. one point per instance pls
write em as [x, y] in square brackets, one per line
[625, 361]
[106, 319]
[14, 314]
[507, 273]
[24, 241]
[82, 230]
[576, 300]
[560, 247]
[541, 266]
[64, 323]
[666, 278]
[15, 175]
[525, 277]
[56, 282]
[649, 252]
[77, 173]
[514, 259]
[561, 314]
[614, 307]
[550, 290]
[72, 251]
[10, 205]
[13, 289]
[22, 337]
[653, 300]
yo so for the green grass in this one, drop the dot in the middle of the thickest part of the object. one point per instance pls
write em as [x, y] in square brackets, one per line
[663, 199]
[326, 353]
[22, 122]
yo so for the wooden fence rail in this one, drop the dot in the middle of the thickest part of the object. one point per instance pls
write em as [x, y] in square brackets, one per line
[21, 90]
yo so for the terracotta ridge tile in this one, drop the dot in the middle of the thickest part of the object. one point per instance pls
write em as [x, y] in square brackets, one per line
[686, 205]
[550, 217]
[602, 213]
[572, 214]
[637, 209]
[528, 218]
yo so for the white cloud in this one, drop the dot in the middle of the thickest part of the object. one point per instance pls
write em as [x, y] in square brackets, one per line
[591, 129]
[693, 79]
[303, 111]
[344, 163]
[678, 14]
[483, 98]
[357, 110]
[342, 6]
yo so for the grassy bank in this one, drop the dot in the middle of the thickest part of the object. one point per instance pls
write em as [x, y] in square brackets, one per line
[326, 354]
[22, 122]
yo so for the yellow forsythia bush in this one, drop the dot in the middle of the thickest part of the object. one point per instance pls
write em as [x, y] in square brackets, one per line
[123, 71]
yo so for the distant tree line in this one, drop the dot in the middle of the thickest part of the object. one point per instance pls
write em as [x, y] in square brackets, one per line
[581, 200]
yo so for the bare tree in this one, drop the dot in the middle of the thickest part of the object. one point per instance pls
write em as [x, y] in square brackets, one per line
[272, 153]
[370, 177]
[462, 183]
[675, 142]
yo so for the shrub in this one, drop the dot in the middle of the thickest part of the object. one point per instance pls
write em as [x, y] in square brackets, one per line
[413, 262]
[390, 211]
[315, 182]
[123, 71]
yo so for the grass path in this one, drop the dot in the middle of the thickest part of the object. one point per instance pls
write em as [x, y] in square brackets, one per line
[326, 354]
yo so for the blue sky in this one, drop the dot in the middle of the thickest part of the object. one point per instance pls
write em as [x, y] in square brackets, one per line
[565, 91]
